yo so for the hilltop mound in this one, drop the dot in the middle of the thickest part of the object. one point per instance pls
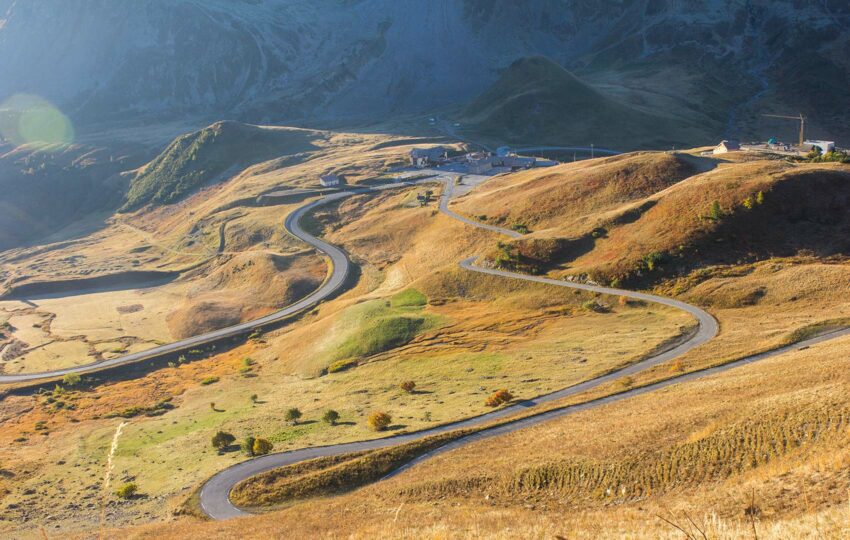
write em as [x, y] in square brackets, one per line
[572, 196]
[242, 288]
[537, 101]
[204, 156]
[635, 219]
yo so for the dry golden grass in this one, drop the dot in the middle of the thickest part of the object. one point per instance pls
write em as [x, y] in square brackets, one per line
[639, 218]
[570, 198]
[800, 484]
[491, 334]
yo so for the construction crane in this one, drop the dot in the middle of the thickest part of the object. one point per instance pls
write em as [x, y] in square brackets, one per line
[802, 120]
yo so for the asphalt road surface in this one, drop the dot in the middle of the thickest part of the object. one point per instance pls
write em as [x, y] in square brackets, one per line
[214, 495]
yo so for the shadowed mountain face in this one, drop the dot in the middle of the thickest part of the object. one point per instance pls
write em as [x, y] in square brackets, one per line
[711, 62]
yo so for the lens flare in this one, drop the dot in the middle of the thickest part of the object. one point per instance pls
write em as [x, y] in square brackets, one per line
[25, 119]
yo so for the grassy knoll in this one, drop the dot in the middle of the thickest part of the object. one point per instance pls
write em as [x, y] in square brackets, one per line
[195, 159]
[638, 219]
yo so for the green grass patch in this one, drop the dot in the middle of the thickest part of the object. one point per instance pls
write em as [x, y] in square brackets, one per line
[408, 298]
[381, 335]
[376, 326]
[342, 365]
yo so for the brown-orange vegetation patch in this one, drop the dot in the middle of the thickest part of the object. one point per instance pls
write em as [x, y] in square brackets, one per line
[20, 414]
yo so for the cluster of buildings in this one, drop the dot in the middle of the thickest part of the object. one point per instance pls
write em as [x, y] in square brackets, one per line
[775, 146]
[476, 162]
[429, 157]
[331, 180]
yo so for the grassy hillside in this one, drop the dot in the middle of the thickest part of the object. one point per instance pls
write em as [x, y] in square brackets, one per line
[196, 159]
[639, 218]
[46, 187]
[536, 101]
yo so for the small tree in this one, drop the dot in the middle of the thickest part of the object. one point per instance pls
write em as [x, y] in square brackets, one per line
[248, 445]
[71, 379]
[222, 440]
[716, 212]
[748, 203]
[292, 415]
[330, 417]
[408, 386]
[254, 398]
[760, 197]
[379, 421]
[262, 447]
[499, 397]
[127, 490]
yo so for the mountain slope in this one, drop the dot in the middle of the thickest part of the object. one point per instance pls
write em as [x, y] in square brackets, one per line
[537, 101]
[715, 63]
[197, 158]
[640, 218]
[43, 188]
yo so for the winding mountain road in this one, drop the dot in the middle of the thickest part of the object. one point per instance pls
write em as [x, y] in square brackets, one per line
[215, 493]
[338, 274]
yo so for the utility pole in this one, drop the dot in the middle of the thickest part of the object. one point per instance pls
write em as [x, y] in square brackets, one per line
[800, 117]
[591, 150]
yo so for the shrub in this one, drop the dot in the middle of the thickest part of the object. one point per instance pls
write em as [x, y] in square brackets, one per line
[222, 440]
[330, 417]
[342, 365]
[209, 380]
[521, 228]
[652, 260]
[127, 490]
[292, 415]
[262, 447]
[596, 307]
[248, 445]
[716, 212]
[760, 197]
[408, 386]
[748, 203]
[499, 397]
[379, 421]
[71, 379]
[254, 398]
